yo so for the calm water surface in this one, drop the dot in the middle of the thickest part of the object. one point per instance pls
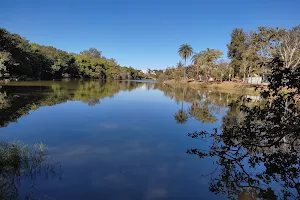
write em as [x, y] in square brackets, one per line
[118, 140]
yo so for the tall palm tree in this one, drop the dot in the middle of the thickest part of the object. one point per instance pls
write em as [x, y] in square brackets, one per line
[185, 51]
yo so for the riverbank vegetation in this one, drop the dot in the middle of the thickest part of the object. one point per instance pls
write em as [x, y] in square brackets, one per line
[21, 164]
[260, 132]
[21, 59]
[248, 56]
[264, 134]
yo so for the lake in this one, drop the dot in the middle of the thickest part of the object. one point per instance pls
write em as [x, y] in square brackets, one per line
[115, 140]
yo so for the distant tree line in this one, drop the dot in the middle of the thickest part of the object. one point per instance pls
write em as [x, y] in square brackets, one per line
[248, 55]
[22, 59]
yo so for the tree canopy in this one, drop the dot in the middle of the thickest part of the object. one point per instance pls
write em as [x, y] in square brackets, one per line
[249, 53]
[257, 148]
[22, 59]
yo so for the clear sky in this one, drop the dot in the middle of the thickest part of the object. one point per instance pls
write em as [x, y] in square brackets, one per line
[142, 33]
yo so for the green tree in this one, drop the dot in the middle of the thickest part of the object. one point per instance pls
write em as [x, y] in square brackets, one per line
[258, 134]
[177, 75]
[185, 51]
[21, 59]
[211, 56]
[236, 48]
[179, 69]
[197, 60]
[245, 63]
[289, 49]
[179, 65]
[225, 70]
[205, 61]
[196, 57]
[92, 52]
[5, 57]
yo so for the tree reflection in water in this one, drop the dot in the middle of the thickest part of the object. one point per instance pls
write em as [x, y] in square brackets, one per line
[204, 105]
[257, 150]
[17, 100]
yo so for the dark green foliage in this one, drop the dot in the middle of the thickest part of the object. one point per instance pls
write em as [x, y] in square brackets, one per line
[205, 62]
[236, 48]
[250, 52]
[21, 59]
[62, 64]
[92, 52]
[257, 151]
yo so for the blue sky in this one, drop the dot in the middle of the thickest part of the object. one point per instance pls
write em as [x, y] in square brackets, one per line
[142, 33]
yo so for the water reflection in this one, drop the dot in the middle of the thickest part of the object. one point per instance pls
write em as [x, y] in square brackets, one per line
[204, 105]
[20, 164]
[120, 137]
[257, 148]
[258, 153]
[17, 99]
[255, 151]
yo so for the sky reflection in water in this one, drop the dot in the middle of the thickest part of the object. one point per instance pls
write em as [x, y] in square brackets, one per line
[127, 145]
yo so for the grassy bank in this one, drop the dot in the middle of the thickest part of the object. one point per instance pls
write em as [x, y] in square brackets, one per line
[226, 86]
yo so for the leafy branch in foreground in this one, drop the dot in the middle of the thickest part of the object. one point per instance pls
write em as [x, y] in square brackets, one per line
[257, 149]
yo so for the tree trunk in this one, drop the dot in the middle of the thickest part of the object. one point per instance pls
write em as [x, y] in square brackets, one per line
[197, 72]
[184, 71]
[249, 72]
[244, 80]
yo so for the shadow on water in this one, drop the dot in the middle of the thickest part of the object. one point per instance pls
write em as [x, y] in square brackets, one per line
[257, 148]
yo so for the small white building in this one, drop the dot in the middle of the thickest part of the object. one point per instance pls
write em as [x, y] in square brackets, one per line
[254, 80]
[144, 71]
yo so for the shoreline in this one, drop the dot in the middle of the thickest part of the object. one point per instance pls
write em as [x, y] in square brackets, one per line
[226, 86]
